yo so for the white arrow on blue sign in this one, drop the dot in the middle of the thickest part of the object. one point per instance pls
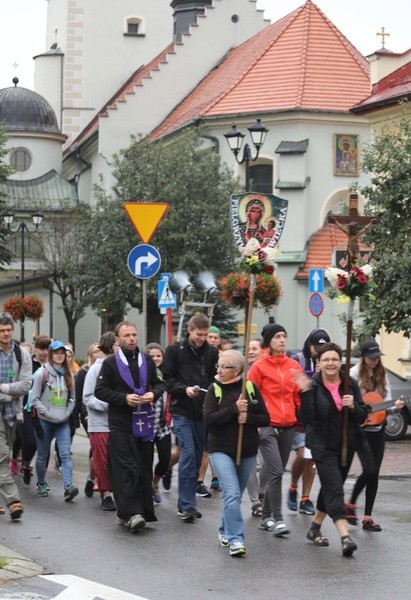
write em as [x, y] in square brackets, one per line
[144, 261]
[316, 280]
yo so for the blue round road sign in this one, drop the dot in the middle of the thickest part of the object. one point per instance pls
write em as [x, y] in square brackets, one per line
[316, 305]
[144, 261]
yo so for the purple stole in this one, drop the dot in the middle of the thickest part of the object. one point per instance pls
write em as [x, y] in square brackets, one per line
[142, 416]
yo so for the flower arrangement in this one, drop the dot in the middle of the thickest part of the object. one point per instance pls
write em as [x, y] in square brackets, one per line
[31, 308]
[349, 285]
[235, 287]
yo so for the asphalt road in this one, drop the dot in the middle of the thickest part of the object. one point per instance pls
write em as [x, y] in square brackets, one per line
[171, 560]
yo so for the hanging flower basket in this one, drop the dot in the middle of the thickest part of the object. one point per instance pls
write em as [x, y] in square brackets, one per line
[234, 289]
[31, 308]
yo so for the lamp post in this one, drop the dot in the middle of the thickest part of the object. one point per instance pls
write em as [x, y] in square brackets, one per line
[22, 228]
[235, 141]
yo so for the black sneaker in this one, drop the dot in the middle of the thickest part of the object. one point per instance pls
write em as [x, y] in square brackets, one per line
[70, 493]
[108, 504]
[27, 474]
[89, 488]
[202, 491]
[167, 479]
[189, 515]
[348, 546]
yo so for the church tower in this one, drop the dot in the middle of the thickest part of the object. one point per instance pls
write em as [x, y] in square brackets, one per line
[94, 47]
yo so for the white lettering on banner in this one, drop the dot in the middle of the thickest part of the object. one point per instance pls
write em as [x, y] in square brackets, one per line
[83, 589]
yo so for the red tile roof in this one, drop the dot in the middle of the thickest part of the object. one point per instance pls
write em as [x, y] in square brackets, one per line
[301, 62]
[321, 246]
[389, 90]
[121, 96]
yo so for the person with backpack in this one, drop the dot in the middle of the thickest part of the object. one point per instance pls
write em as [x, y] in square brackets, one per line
[304, 466]
[189, 368]
[15, 382]
[25, 440]
[224, 410]
[53, 399]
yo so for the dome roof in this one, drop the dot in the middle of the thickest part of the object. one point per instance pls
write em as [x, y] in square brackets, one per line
[24, 110]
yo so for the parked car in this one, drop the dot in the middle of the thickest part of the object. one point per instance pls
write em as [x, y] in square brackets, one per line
[397, 423]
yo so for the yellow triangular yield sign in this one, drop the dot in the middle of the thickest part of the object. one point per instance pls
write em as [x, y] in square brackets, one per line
[145, 217]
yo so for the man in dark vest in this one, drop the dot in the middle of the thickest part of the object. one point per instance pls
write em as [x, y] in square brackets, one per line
[129, 383]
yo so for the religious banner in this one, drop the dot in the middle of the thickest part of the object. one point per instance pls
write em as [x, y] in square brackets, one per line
[259, 216]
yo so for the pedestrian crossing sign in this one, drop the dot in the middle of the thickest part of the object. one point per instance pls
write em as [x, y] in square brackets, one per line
[166, 298]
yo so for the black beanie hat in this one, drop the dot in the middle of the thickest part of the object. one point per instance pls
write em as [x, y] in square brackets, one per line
[269, 331]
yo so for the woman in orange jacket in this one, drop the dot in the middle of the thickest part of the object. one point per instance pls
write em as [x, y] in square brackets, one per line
[276, 375]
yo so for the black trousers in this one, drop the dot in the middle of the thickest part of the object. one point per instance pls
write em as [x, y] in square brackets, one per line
[370, 452]
[130, 471]
[332, 476]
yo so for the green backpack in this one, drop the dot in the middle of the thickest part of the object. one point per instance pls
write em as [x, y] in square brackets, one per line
[218, 392]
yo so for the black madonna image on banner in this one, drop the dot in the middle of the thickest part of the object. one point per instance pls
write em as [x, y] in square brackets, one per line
[259, 216]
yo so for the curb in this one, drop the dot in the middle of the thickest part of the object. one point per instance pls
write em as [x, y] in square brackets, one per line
[18, 566]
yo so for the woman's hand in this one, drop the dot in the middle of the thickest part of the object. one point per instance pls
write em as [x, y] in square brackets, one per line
[348, 401]
[301, 380]
[242, 407]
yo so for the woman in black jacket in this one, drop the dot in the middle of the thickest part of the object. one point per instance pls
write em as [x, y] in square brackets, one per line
[224, 410]
[321, 412]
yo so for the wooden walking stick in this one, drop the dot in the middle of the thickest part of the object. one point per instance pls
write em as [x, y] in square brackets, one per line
[353, 231]
[247, 335]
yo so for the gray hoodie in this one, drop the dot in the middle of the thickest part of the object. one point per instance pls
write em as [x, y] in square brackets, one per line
[51, 398]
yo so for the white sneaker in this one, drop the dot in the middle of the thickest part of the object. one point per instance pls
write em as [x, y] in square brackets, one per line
[237, 549]
[266, 524]
[280, 528]
[136, 523]
[223, 539]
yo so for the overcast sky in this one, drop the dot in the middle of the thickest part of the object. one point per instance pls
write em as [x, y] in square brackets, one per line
[23, 24]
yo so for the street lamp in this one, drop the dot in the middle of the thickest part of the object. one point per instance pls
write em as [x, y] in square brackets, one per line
[235, 141]
[22, 228]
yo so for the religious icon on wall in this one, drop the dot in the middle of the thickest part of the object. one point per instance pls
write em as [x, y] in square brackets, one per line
[346, 154]
[259, 216]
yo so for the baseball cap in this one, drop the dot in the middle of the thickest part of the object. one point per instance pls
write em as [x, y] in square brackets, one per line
[56, 345]
[319, 338]
[370, 349]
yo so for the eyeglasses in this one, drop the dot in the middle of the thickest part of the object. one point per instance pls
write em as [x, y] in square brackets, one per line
[223, 367]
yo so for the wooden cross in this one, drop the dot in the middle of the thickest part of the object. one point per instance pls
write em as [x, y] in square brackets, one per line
[383, 35]
[353, 228]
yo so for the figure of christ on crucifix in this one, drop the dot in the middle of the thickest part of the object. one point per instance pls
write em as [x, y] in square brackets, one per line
[354, 226]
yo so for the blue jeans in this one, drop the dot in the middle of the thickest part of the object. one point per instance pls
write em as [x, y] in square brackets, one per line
[191, 440]
[233, 480]
[60, 431]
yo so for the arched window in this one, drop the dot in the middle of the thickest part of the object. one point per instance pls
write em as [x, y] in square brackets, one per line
[32, 248]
